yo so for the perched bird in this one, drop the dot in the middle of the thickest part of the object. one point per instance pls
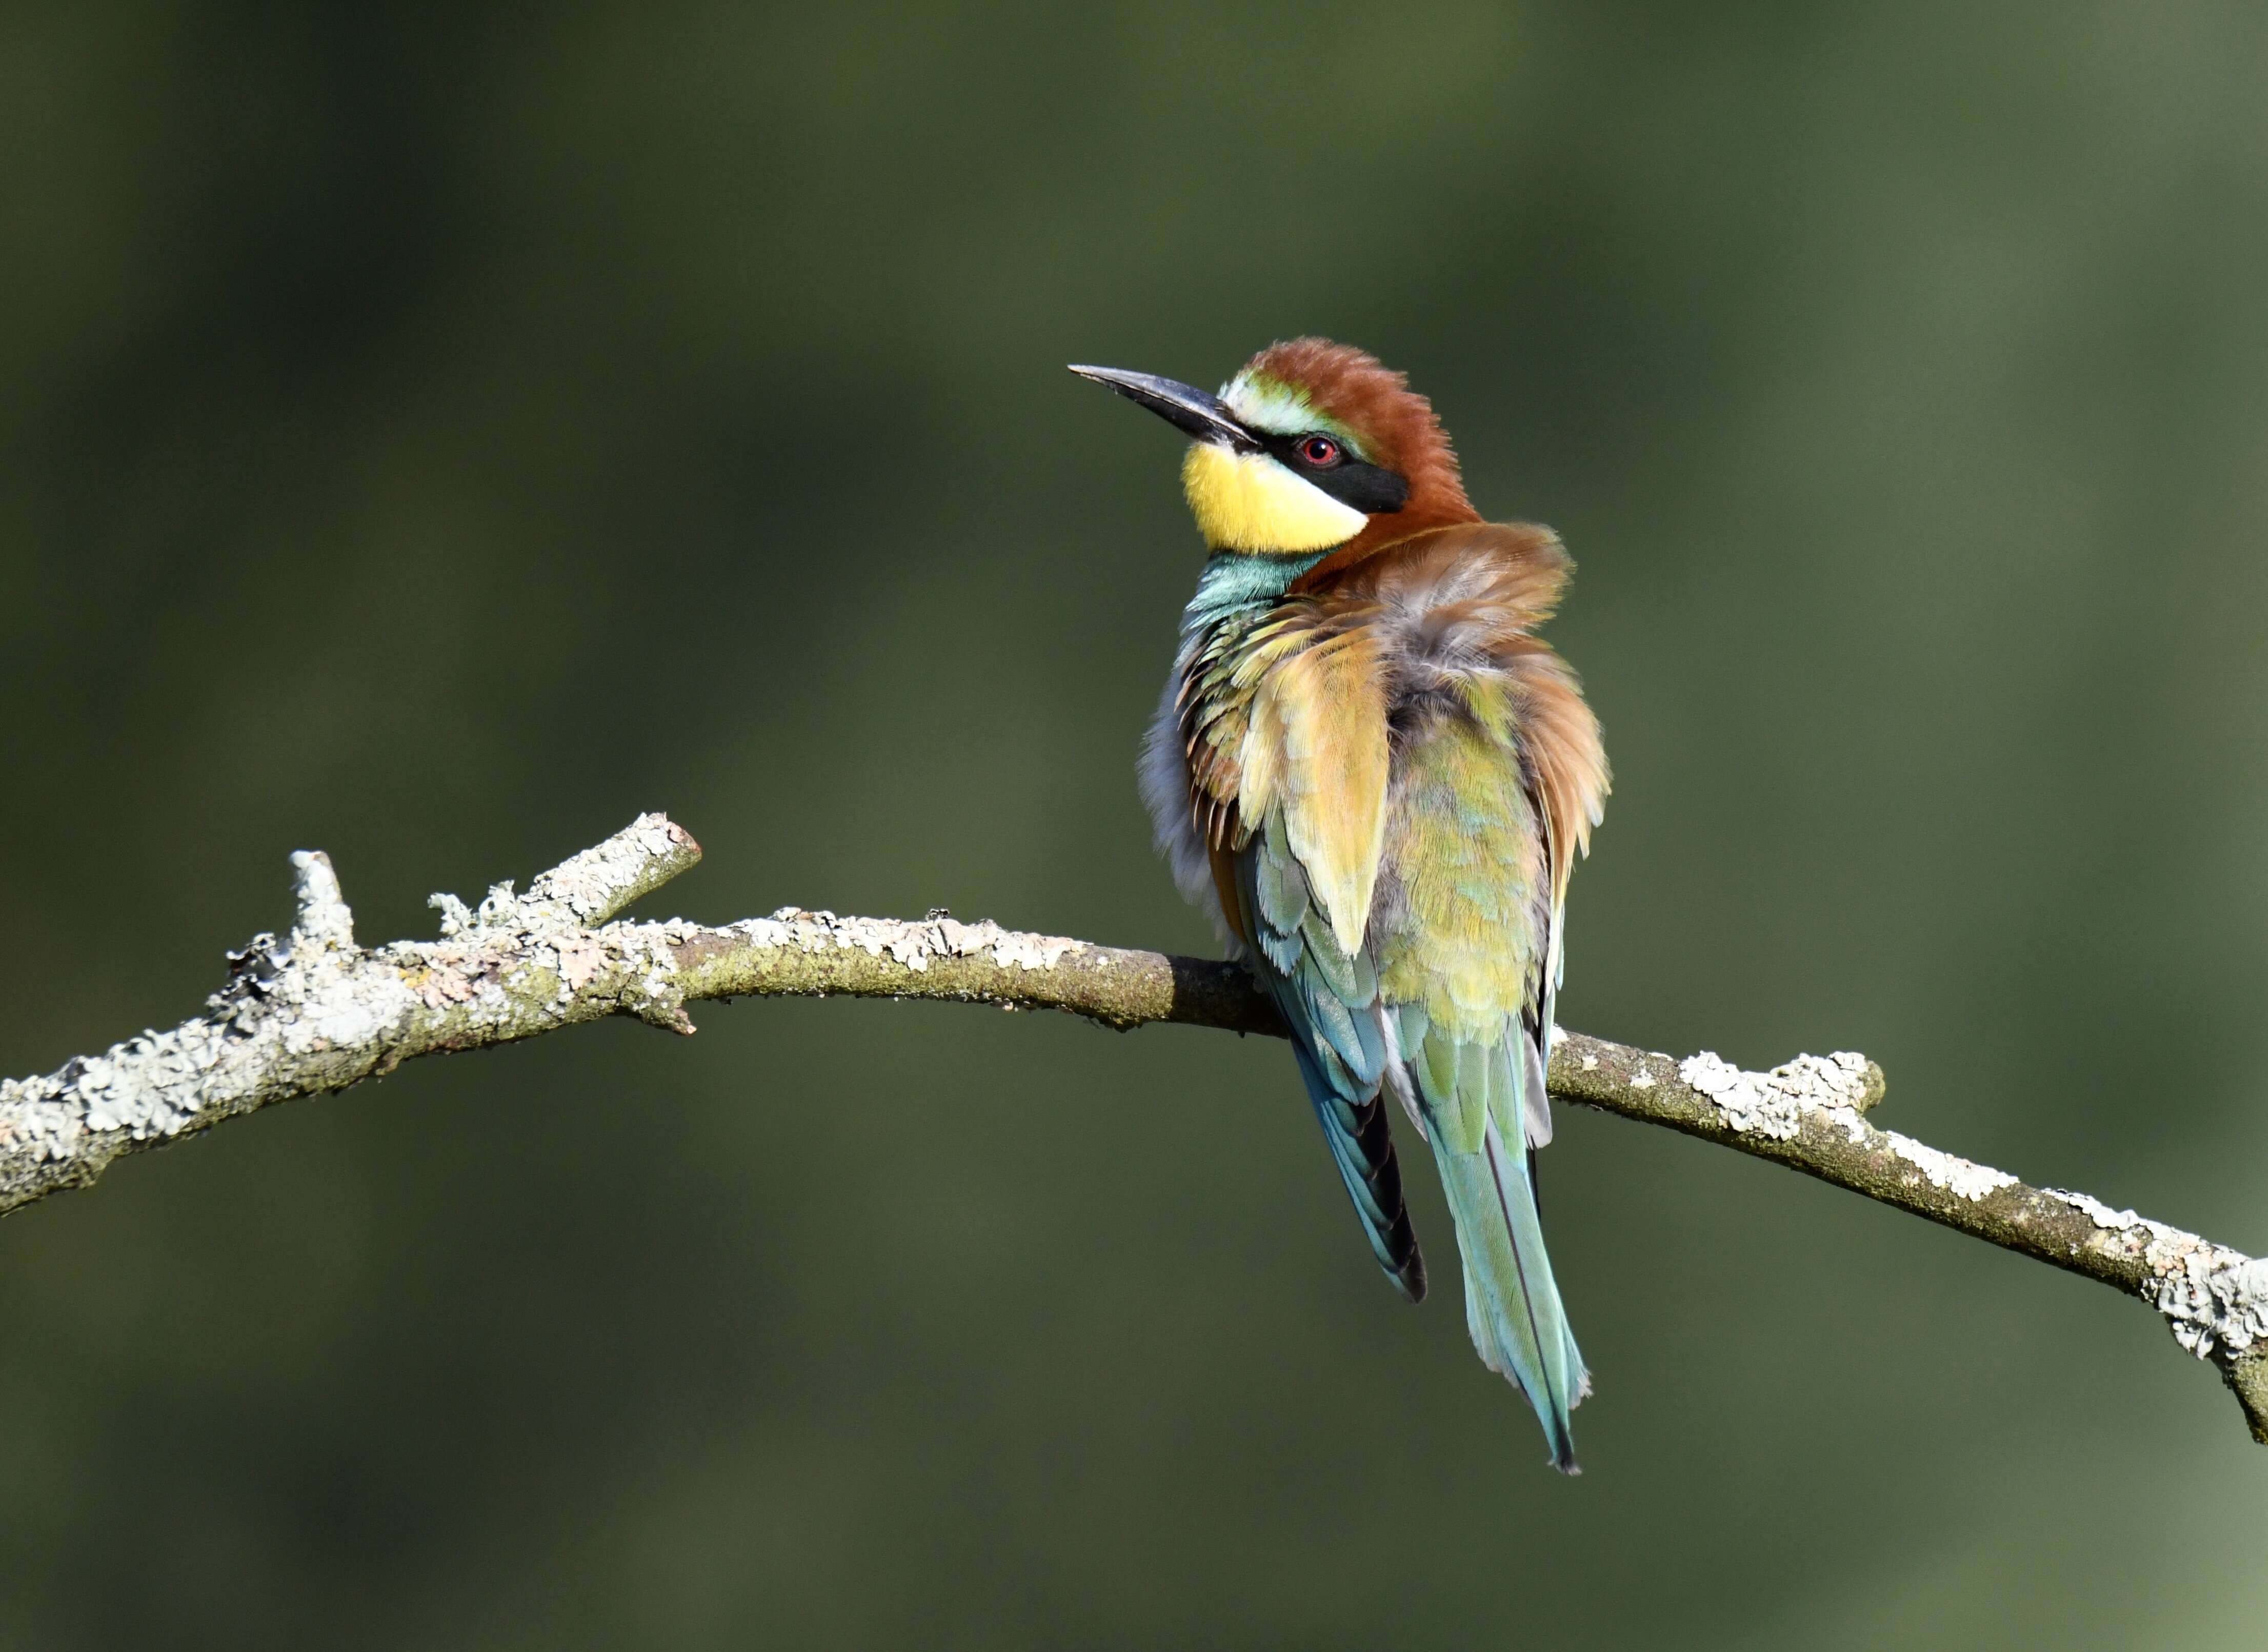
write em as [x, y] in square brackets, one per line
[1376, 779]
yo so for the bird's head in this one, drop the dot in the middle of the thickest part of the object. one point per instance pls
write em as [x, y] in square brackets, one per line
[1312, 447]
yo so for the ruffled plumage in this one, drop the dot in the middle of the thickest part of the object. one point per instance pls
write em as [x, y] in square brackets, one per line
[1378, 778]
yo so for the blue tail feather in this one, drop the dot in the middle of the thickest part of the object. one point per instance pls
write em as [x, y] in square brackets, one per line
[1362, 1148]
[1513, 1307]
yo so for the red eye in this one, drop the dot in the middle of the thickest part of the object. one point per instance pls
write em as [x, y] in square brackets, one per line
[1319, 450]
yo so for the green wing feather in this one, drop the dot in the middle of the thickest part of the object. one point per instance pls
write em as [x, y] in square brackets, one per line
[1330, 999]
[1465, 947]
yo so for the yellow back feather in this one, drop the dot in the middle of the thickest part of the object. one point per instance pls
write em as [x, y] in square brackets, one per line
[1316, 747]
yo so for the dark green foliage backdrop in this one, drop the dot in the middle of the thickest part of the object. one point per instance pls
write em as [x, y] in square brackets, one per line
[434, 439]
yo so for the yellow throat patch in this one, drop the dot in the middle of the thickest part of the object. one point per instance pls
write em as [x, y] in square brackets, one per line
[1248, 501]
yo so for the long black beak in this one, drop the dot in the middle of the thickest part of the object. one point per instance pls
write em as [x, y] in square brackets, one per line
[1202, 415]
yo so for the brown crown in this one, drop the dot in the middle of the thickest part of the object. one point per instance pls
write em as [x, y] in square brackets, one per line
[1395, 423]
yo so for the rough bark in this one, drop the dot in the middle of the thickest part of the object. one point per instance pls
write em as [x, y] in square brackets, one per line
[313, 1012]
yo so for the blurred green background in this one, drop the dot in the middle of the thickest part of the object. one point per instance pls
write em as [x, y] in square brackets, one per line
[435, 437]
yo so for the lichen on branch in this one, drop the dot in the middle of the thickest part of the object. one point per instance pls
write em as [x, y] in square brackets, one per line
[314, 1012]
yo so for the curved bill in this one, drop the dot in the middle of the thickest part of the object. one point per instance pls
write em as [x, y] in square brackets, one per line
[1199, 412]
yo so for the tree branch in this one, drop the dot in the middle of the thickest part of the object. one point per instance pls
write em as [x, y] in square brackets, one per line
[313, 1012]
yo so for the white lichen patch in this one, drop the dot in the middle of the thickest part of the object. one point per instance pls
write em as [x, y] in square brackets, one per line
[445, 974]
[2102, 1214]
[2215, 1300]
[313, 1012]
[342, 1015]
[1958, 1175]
[915, 944]
[286, 1002]
[600, 881]
[1747, 1101]
[144, 1088]
[580, 959]
[1773, 1104]
[324, 918]
[1017, 950]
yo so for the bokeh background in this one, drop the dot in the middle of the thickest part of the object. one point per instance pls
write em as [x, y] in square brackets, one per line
[436, 434]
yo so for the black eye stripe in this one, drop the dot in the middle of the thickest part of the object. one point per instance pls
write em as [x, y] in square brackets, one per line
[1371, 489]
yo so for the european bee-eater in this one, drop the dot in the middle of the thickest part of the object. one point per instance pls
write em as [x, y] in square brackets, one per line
[1376, 779]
